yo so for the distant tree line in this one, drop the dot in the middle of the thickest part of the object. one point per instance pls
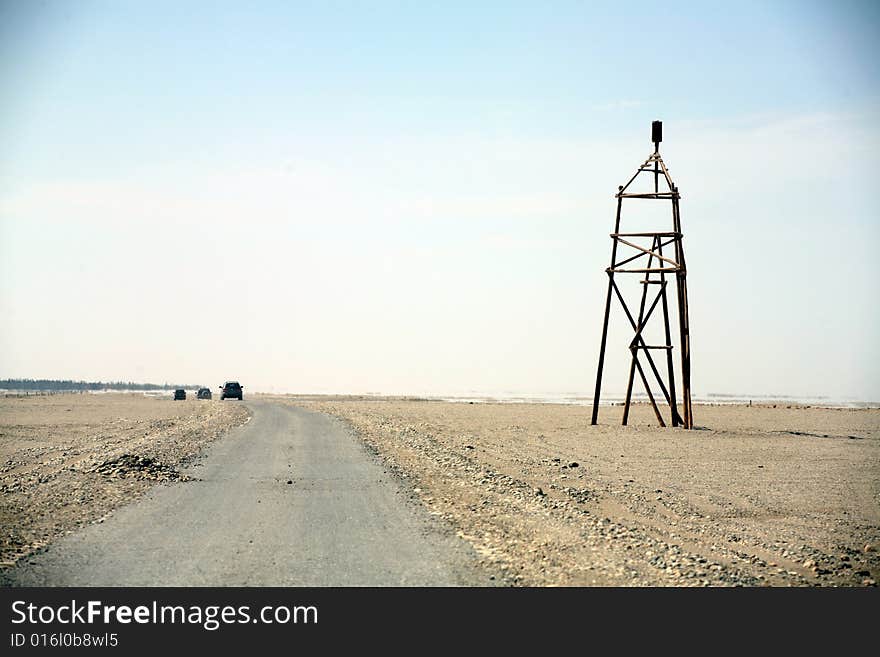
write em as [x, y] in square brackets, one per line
[65, 385]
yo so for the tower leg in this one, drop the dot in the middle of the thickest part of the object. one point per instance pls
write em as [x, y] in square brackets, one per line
[607, 311]
[685, 352]
[670, 369]
[629, 387]
[683, 321]
[602, 351]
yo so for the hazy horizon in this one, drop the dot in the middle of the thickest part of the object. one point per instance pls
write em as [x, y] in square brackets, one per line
[398, 199]
[580, 397]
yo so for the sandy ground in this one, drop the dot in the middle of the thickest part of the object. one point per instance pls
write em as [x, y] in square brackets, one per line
[68, 460]
[756, 496]
[785, 496]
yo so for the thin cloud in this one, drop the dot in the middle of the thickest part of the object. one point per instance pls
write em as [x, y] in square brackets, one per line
[619, 105]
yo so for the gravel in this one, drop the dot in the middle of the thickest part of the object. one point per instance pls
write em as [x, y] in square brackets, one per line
[69, 460]
[550, 500]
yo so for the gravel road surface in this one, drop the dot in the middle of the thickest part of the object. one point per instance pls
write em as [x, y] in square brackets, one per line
[292, 498]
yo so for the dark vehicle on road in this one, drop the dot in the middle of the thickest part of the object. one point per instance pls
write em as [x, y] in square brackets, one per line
[204, 393]
[180, 393]
[231, 390]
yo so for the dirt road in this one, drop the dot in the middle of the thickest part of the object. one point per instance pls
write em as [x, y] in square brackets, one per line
[292, 498]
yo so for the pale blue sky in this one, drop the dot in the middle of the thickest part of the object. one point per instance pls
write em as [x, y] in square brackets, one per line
[397, 197]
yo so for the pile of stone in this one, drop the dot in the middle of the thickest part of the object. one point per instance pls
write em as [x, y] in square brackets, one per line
[139, 467]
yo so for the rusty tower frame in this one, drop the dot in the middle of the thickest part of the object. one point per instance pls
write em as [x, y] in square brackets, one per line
[673, 263]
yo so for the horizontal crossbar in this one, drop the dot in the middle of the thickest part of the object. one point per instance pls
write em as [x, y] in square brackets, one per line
[664, 270]
[660, 195]
[673, 234]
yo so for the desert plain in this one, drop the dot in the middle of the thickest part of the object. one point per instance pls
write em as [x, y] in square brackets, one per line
[759, 495]
[68, 460]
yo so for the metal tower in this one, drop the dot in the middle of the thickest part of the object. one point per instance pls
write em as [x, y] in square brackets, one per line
[635, 246]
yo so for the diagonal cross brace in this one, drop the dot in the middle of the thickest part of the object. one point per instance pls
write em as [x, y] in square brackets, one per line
[647, 252]
[641, 255]
[640, 328]
[648, 390]
[640, 338]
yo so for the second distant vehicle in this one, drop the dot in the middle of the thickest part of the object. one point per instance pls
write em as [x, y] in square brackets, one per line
[231, 390]
[204, 393]
[180, 393]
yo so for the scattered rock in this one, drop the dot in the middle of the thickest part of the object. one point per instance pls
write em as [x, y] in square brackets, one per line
[492, 509]
[138, 467]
